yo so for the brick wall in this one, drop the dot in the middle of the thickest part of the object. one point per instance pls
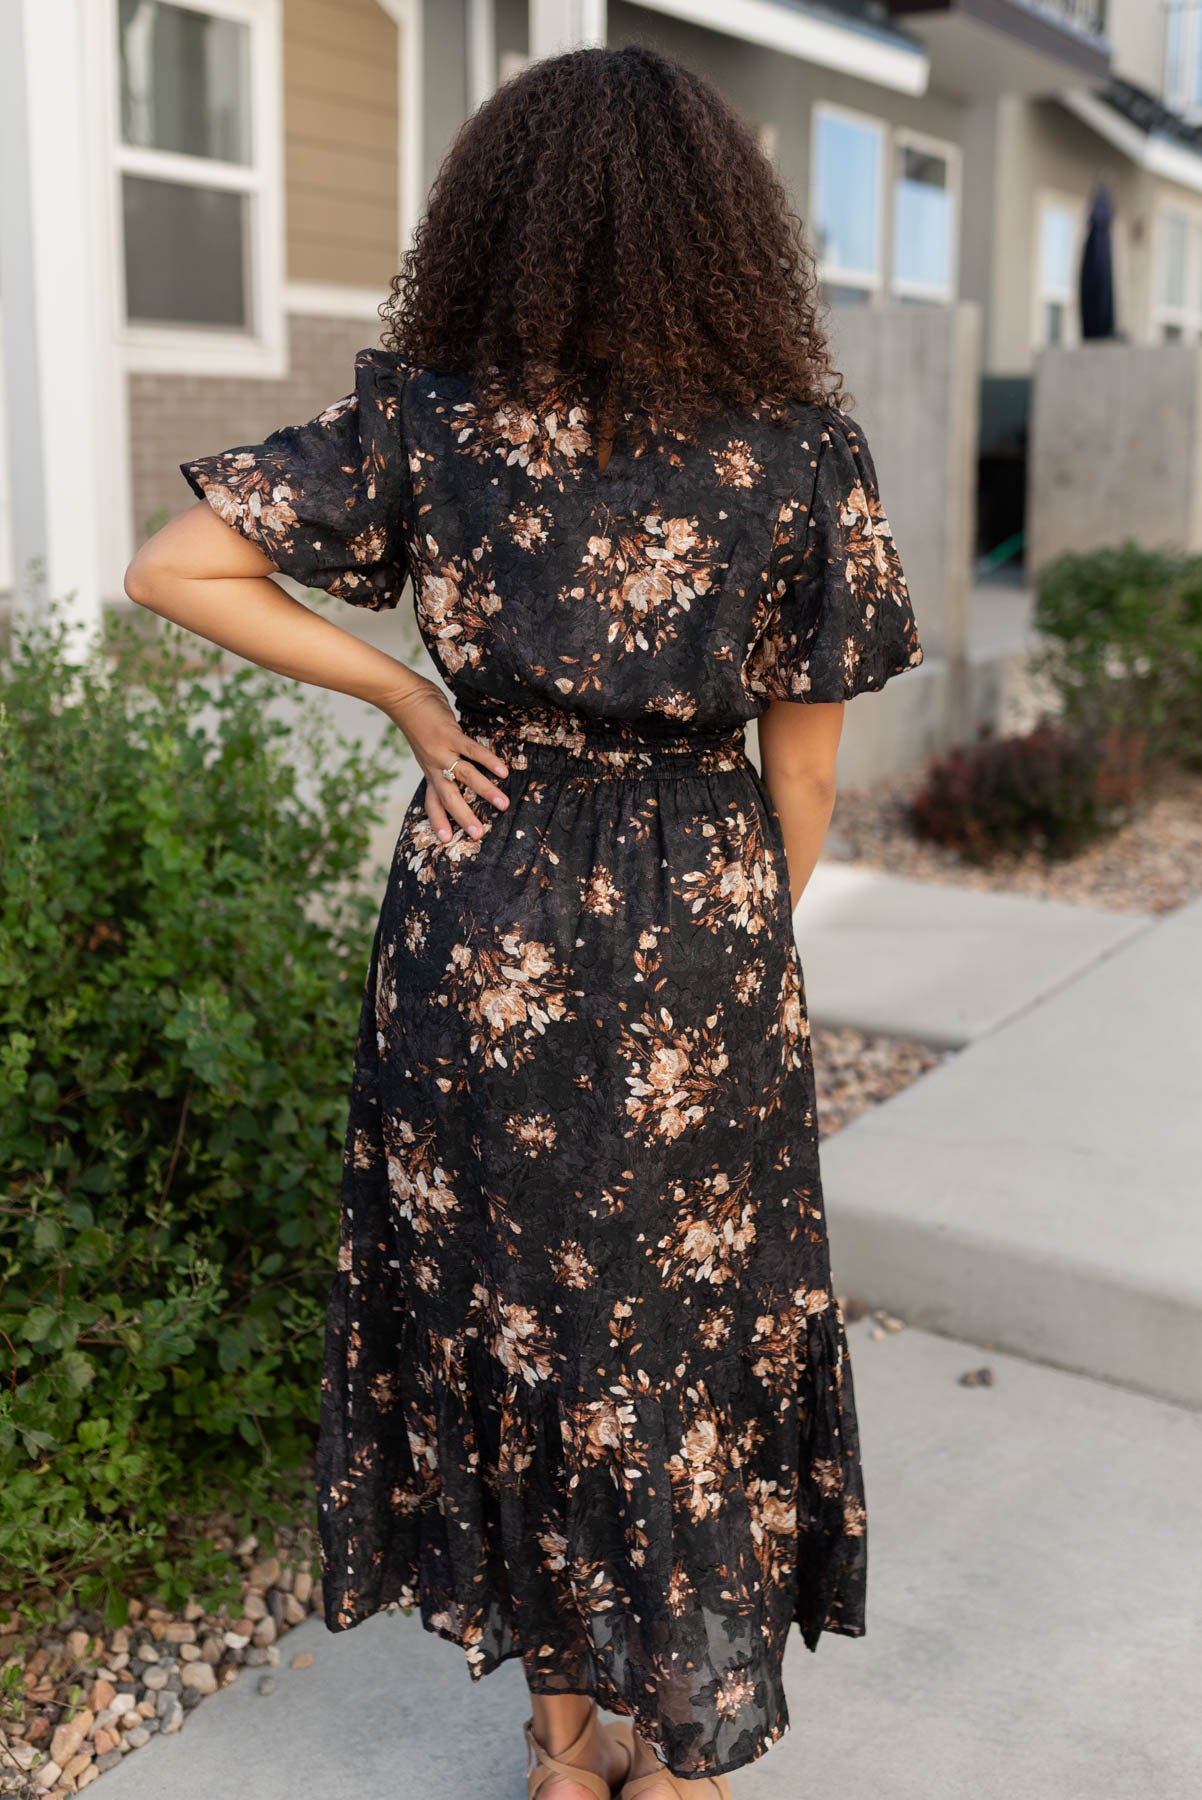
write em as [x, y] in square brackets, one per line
[176, 417]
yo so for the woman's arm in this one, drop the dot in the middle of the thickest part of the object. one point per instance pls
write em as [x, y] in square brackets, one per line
[798, 742]
[203, 575]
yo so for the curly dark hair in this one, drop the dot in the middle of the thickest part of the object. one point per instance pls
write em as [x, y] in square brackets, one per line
[607, 209]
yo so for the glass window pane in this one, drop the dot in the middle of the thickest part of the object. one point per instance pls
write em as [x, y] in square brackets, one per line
[922, 220]
[185, 254]
[1174, 53]
[1057, 232]
[847, 194]
[1174, 228]
[185, 81]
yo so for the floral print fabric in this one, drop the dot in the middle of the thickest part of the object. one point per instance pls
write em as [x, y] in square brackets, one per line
[587, 1397]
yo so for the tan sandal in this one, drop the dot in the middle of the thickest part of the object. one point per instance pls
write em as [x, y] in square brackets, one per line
[541, 1764]
[705, 1789]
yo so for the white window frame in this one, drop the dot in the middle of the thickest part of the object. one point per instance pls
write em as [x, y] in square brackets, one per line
[1045, 200]
[1177, 83]
[905, 139]
[871, 283]
[261, 349]
[1187, 318]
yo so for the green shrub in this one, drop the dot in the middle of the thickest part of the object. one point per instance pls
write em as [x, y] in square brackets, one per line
[1125, 646]
[1053, 790]
[183, 941]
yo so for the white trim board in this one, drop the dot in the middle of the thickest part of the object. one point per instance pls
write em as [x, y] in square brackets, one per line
[1158, 155]
[330, 300]
[807, 35]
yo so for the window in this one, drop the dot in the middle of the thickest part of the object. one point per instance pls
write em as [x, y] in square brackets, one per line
[848, 165]
[197, 208]
[1178, 291]
[847, 205]
[1059, 231]
[1183, 56]
[186, 164]
[925, 194]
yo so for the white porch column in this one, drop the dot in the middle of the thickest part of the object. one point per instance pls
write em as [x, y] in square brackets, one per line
[50, 271]
[557, 25]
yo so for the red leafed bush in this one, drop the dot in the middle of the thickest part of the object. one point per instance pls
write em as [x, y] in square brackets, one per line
[1053, 790]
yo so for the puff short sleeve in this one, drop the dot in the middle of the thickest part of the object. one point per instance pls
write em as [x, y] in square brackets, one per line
[841, 622]
[326, 501]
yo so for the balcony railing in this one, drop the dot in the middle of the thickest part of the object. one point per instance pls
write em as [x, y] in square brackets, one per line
[1085, 15]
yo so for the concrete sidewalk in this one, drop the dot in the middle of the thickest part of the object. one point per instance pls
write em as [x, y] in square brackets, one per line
[937, 962]
[1041, 1190]
[1033, 1627]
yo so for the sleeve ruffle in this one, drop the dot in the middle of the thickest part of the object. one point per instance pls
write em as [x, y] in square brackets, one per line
[841, 622]
[326, 500]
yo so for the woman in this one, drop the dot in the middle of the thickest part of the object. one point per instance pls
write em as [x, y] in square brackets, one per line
[586, 1398]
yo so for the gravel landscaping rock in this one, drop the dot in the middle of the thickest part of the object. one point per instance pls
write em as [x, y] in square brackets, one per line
[94, 1695]
[1152, 864]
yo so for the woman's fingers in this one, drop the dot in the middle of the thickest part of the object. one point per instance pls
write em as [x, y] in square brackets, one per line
[481, 784]
[446, 802]
[456, 805]
[469, 746]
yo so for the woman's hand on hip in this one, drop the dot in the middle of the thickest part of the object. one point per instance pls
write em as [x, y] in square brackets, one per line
[424, 714]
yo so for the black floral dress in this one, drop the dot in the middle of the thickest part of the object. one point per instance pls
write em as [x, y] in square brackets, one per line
[587, 1398]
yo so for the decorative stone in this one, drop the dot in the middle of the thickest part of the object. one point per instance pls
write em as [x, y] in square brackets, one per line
[235, 1640]
[190, 1653]
[181, 1632]
[103, 1694]
[265, 1632]
[108, 1761]
[77, 1764]
[88, 1777]
[119, 1642]
[294, 1612]
[46, 1776]
[265, 1574]
[201, 1676]
[137, 1737]
[78, 1645]
[104, 1740]
[302, 1587]
[155, 1679]
[70, 1735]
[302, 1660]
[174, 1719]
[253, 1605]
[193, 1611]
[267, 1684]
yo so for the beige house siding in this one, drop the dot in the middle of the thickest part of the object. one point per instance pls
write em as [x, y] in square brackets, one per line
[176, 417]
[1040, 147]
[341, 132]
[1136, 30]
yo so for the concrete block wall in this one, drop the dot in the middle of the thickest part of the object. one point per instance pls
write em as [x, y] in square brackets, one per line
[1115, 449]
[913, 373]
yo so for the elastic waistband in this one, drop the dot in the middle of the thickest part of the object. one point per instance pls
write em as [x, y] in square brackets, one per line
[544, 737]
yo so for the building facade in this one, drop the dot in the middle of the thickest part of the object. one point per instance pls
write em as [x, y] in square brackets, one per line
[206, 201]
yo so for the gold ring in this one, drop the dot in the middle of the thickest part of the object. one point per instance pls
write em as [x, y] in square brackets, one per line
[450, 772]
